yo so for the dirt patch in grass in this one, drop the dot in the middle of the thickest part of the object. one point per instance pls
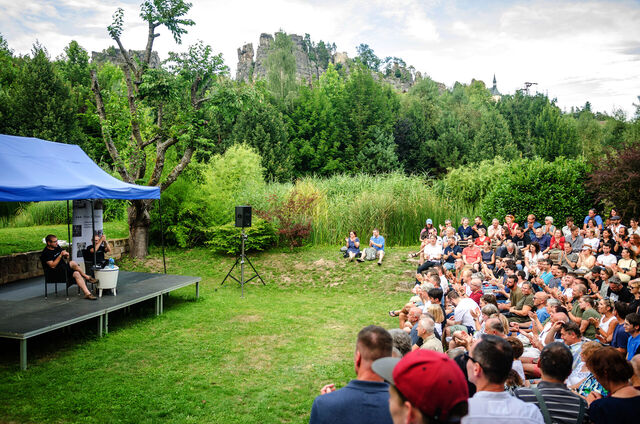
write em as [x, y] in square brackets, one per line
[323, 263]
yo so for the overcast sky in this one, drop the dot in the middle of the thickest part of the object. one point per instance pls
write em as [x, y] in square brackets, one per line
[576, 51]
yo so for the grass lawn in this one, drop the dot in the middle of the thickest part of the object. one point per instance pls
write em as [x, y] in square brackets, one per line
[223, 358]
[25, 239]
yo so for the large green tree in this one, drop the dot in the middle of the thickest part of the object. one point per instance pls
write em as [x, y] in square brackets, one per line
[166, 109]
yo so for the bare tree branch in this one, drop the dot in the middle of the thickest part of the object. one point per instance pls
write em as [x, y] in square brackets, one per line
[150, 37]
[177, 170]
[161, 150]
[106, 135]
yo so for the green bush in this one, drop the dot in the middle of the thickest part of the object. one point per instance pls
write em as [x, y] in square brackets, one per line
[469, 184]
[543, 188]
[226, 238]
[206, 194]
[186, 211]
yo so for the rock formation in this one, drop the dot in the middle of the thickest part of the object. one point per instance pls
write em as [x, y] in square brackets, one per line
[113, 55]
[250, 69]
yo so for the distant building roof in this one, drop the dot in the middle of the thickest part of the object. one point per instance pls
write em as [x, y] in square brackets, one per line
[494, 90]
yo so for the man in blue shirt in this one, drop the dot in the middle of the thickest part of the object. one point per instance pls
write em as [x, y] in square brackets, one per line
[592, 215]
[366, 399]
[620, 337]
[544, 240]
[376, 244]
[632, 326]
[531, 225]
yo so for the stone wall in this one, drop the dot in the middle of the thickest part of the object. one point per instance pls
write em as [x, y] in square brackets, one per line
[19, 266]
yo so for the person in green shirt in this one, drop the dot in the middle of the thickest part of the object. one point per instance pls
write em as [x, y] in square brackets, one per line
[587, 328]
[575, 312]
[520, 312]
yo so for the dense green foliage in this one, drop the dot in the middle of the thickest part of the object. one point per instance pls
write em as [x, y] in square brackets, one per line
[227, 238]
[347, 136]
[556, 189]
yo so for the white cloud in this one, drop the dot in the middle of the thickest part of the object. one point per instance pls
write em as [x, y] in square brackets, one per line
[575, 50]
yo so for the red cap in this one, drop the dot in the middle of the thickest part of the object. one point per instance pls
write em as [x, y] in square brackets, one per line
[430, 380]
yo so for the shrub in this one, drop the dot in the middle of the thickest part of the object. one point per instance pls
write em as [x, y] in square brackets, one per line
[293, 216]
[616, 180]
[226, 238]
[469, 184]
[556, 189]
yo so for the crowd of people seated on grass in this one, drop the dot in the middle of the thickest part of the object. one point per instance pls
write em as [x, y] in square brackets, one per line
[532, 322]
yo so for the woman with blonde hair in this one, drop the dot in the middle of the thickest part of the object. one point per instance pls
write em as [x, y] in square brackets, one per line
[438, 316]
[607, 322]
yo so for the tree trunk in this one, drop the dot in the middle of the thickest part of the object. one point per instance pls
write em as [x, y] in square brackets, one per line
[139, 221]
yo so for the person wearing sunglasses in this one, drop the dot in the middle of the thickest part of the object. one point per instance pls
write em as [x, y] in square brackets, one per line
[488, 366]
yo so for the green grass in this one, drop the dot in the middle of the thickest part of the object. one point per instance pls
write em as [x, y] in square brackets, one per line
[223, 358]
[25, 239]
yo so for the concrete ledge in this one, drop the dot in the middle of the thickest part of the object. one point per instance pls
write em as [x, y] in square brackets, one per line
[19, 266]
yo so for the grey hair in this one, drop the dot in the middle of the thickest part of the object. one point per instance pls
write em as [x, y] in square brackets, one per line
[401, 340]
[427, 324]
[550, 218]
[553, 302]
[489, 309]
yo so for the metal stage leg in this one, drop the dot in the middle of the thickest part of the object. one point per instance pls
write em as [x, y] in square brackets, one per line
[197, 289]
[158, 305]
[161, 304]
[106, 323]
[23, 354]
[100, 324]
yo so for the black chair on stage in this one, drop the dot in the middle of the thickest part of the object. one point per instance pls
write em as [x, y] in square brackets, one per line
[54, 276]
[88, 262]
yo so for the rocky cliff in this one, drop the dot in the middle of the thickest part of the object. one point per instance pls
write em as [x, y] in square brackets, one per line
[113, 55]
[251, 68]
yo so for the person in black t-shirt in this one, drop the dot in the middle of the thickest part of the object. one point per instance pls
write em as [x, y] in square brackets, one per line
[53, 256]
[101, 247]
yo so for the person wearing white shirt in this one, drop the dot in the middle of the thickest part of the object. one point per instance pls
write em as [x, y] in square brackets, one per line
[606, 259]
[488, 364]
[462, 312]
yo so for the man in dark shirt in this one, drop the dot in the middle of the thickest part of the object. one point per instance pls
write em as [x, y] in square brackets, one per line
[618, 292]
[521, 239]
[101, 247]
[366, 399]
[561, 405]
[477, 224]
[52, 256]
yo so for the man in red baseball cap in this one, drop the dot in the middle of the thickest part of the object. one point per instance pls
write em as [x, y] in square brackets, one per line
[424, 386]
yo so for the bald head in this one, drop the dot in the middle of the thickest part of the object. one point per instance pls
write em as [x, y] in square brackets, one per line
[494, 326]
[560, 317]
[540, 298]
[476, 284]
[414, 314]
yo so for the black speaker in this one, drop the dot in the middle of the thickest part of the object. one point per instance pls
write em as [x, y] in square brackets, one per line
[243, 216]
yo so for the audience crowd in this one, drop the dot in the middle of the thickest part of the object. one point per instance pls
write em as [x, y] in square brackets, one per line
[537, 323]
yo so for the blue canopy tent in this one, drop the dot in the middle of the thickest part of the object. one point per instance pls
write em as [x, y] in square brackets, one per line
[32, 170]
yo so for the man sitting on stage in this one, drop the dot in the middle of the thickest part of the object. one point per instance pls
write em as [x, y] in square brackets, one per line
[52, 256]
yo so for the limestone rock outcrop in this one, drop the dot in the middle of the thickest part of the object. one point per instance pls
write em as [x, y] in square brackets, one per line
[250, 67]
[113, 55]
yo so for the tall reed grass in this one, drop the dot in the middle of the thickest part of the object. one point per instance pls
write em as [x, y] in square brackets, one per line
[396, 204]
[55, 212]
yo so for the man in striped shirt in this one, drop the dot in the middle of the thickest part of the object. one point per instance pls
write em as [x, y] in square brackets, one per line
[557, 403]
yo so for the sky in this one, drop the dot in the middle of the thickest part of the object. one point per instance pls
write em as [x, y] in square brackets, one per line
[576, 51]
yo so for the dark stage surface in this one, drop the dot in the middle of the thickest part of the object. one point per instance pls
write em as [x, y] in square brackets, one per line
[25, 313]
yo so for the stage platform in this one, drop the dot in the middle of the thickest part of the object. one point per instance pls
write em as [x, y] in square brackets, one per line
[25, 313]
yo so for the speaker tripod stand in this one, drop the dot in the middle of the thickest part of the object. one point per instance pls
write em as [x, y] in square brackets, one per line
[241, 259]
